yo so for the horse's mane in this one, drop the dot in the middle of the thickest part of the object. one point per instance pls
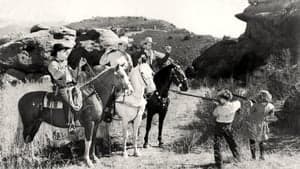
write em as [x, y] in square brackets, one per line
[105, 76]
[163, 72]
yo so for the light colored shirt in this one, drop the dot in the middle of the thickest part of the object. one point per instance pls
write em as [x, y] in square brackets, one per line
[260, 111]
[152, 55]
[60, 72]
[225, 113]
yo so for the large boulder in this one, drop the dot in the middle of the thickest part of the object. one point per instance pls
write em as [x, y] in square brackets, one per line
[32, 52]
[272, 28]
[290, 114]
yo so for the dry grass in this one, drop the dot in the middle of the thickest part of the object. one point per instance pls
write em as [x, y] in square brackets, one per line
[187, 136]
[14, 153]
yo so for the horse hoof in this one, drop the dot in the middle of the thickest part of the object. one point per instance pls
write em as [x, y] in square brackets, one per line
[161, 145]
[95, 159]
[89, 163]
[137, 154]
[146, 145]
[125, 155]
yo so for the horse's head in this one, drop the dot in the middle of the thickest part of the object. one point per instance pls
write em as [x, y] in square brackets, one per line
[147, 76]
[179, 78]
[121, 80]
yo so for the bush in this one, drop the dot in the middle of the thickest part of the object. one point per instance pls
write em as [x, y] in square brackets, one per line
[187, 37]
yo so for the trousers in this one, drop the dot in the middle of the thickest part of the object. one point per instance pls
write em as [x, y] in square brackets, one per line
[224, 130]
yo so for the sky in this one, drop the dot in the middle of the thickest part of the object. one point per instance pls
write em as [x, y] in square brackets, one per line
[214, 17]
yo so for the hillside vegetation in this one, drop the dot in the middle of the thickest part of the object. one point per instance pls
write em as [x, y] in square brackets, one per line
[131, 23]
[186, 45]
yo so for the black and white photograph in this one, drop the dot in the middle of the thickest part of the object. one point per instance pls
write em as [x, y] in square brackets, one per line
[149, 84]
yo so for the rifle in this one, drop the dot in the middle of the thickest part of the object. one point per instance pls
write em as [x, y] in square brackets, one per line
[192, 95]
[207, 98]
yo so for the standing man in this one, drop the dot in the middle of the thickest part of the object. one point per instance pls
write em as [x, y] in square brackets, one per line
[64, 79]
[153, 57]
[224, 114]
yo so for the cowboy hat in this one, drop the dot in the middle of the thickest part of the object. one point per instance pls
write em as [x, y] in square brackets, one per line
[125, 40]
[58, 47]
[147, 40]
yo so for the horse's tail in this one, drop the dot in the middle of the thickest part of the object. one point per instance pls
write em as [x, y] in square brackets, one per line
[29, 108]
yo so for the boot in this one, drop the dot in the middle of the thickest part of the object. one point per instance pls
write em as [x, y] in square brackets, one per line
[262, 150]
[253, 149]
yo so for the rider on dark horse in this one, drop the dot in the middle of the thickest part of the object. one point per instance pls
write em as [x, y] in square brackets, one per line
[154, 58]
[64, 80]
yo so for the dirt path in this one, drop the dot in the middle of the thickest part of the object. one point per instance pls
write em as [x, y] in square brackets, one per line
[181, 113]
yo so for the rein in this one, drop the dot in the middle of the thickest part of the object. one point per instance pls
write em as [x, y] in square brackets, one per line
[93, 78]
[142, 75]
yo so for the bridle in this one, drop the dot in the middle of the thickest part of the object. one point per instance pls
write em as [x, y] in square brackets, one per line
[174, 75]
[164, 101]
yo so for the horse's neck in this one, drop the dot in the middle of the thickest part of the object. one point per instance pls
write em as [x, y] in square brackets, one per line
[137, 83]
[163, 81]
[104, 86]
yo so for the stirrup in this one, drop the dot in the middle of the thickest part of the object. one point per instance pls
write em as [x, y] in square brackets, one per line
[71, 128]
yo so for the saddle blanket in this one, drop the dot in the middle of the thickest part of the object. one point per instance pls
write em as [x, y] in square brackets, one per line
[53, 102]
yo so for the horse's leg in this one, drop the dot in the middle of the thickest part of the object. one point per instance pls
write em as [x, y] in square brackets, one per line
[148, 127]
[162, 116]
[136, 125]
[94, 157]
[30, 131]
[88, 128]
[125, 135]
[28, 134]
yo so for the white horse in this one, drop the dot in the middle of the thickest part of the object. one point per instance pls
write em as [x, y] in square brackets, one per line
[131, 107]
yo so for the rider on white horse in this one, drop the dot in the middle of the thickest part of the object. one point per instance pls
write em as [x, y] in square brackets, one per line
[118, 56]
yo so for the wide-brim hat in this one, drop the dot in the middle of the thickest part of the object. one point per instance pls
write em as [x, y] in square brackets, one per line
[125, 40]
[58, 47]
[147, 40]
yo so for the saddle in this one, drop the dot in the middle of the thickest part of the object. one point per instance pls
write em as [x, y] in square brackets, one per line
[53, 101]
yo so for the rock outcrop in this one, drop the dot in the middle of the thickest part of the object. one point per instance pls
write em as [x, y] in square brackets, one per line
[272, 28]
[290, 115]
[32, 53]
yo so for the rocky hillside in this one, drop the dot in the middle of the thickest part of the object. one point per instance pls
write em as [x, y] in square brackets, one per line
[266, 55]
[186, 45]
[29, 54]
[128, 23]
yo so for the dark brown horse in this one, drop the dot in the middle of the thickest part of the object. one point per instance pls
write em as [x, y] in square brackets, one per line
[33, 113]
[159, 101]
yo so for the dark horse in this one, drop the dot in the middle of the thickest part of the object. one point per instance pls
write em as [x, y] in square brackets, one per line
[159, 101]
[33, 113]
